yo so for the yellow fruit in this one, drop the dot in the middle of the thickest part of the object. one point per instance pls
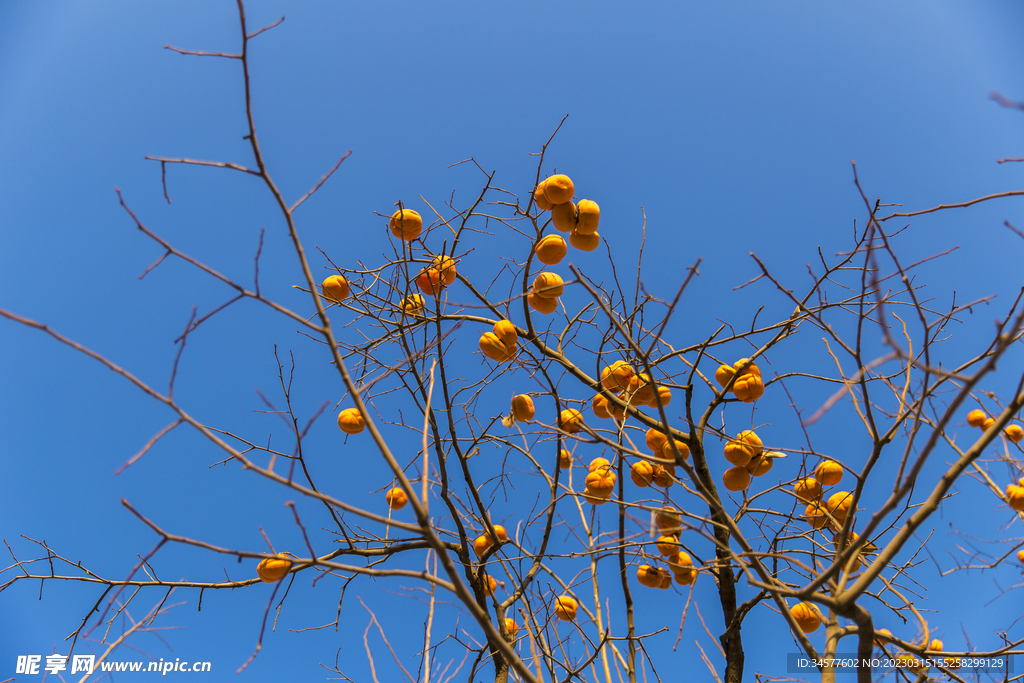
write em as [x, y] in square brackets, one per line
[490, 586]
[414, 304]
[511, 626]
[829, 473]
[808, 489]
[976, 417]
[540, 304]
[584, 242]
[588, 214]
[598, 464]
[880, 639]
[548, 285]
[565, 608]
[522, 408]
[551, 249]
[668, 546]
[648, 576]
[397, 499]
[484, 542]
[684, 450]
[1015, 496]
[806, 617]
[1014, 433]
[680, 561]
[665, 394]
[686, 577]
[563, 217]
[851, 537]
[741, 450]
[666, 581]
[593, 498]
[600, 405]
[642, 473]
[736, 478]
[564, 460]
[538, 197]
[668, 520]
[572, 420]
[493, 348]
[273, 569]
[656, 440]
[406, 224]
[752, 369]
[446, 267]
[936, 646]
[748, 388]
[617, 376]
[558, 189]
[723, 374]
[335, 288]
[1020, 556]
[761, 465]
[601, 483]
[988, 423]
[642, 389]
[429, 281]
[839, 505]
[664, 475]
[815, 515]
[506, 332]
[351, 421]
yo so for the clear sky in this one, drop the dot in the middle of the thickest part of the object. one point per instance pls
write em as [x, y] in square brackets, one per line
[731, 124]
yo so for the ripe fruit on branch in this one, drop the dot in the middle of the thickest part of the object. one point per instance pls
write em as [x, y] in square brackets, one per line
[540, 304]
[598, 464]
[406, 224]
[808, 489]
[668, 545]
[565, 608]
[839, 505]
[829, 472]
[617, 376]
[522, 408]
[741, 450]
[601, 482]
[605, 409]
[273, 569]
[588, 215]
[642, 473]
[584, 242]
[538, 197]
[1014, 433]
[976, 417]
[762, 464]
[438, 275]
[492, 585]
[414, 304]
[880, 637]
[736, 478]
[484, 542]
[511, 626]
[668, 520]
[548, 285]
[642, 389]
[680, 561]
[563, 217]
[815, 515]
[686, 577]
[664, 475]
[502, 343]
[572, 420]
[989, 421]
[351, 421]
[649, 576]
[748, 387]
[564, 460]
[551, 249]
[1015, 496]
[397, 499]
[335, 288]
[806, 617]
[558, 189]
[936, 646]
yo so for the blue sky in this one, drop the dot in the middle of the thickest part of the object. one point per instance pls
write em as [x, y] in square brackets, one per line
[731, 124]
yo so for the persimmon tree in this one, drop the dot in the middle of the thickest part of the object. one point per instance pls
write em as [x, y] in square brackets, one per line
[638, 462]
